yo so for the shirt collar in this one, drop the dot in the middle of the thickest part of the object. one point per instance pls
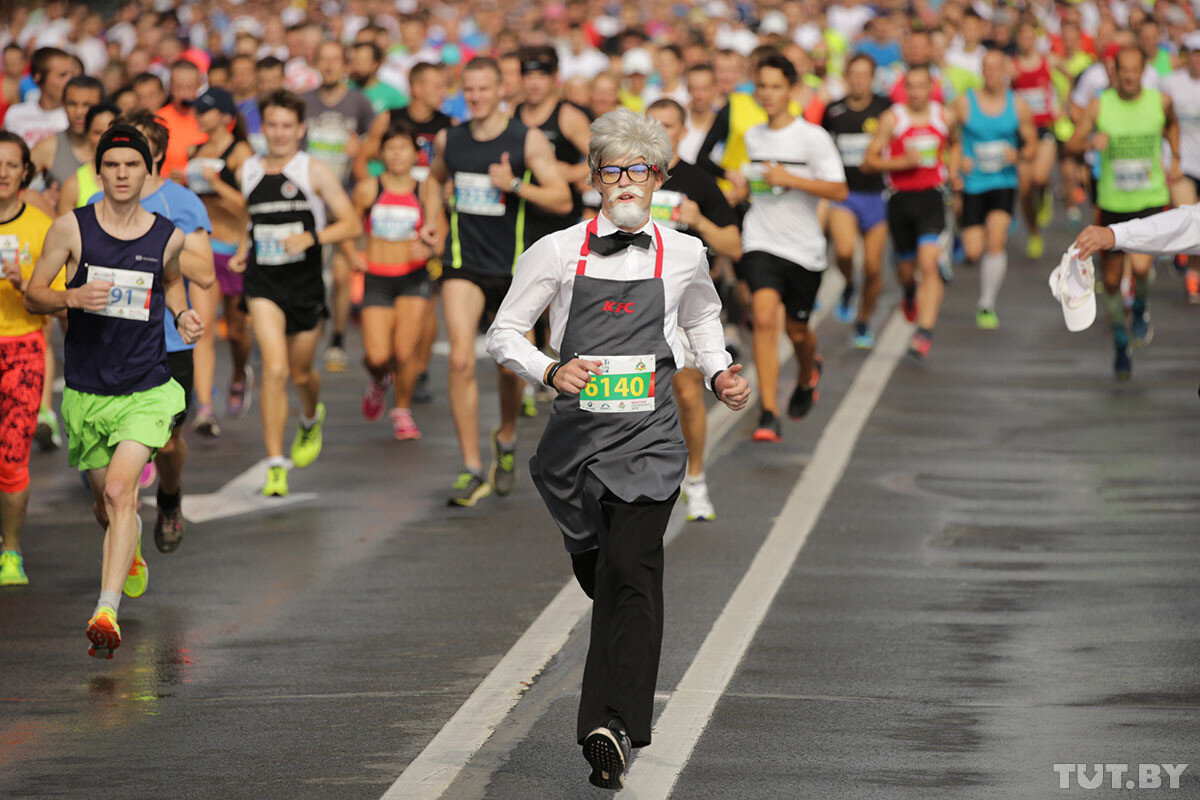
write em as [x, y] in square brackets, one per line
[605, 226]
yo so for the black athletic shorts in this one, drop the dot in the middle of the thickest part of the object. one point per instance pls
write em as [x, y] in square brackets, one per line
[382, 290]
[915, 218]
[180, 364]
[976, 207]
[300, 314]
[1113, 217]
[795, 284]
[494, 288]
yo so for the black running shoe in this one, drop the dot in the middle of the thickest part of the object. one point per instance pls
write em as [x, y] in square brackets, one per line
[805, 397]
[421, 391]
[607, 750]
[769, 429]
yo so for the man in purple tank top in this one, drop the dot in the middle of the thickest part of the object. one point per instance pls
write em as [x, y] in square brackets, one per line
[123, 275]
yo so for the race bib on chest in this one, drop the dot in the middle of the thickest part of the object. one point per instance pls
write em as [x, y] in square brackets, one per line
[625, 385]
[419, 173]
[991, 156]
[268, 244]
[926, 147]
[129, 297]
[664, 209]
[327, 142]
[1035, 99]
[755, 172]
[195, 173]
[1131, 174]
[394, 223]
[475, 194]
[853, 147]
[10, 249]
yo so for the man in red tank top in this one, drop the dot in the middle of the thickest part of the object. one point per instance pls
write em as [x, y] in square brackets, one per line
[911, 147]
[1033, 83]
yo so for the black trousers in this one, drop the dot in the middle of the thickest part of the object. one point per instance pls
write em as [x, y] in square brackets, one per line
[624, 578]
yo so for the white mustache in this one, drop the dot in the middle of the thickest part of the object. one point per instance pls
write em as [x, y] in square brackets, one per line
[616, 192]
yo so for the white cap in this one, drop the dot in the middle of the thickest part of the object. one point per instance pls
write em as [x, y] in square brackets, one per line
[773, 22]
[1192, 41]
[637, 61]
[1073, 283]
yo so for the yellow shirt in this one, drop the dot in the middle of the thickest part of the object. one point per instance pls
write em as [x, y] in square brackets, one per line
[23, 236]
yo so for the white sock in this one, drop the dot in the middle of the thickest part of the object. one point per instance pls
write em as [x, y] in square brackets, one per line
[276, 461]
[308, 422]
[110, 600]
[991, 274]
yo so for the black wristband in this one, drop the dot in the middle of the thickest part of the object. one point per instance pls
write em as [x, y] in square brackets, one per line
[550, 375]
[177, 316]
[712, 383]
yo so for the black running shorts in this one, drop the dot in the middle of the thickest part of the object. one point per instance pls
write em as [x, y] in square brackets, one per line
[796, 285]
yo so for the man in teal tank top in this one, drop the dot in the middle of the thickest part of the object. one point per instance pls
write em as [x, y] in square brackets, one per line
[1127, 125]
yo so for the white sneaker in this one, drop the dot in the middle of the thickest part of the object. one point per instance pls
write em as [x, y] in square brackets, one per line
[695, 494]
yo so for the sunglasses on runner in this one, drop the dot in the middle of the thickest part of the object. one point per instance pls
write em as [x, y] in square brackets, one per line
[638, 173]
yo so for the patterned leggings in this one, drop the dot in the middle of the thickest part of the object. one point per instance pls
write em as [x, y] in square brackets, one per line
[22, 370]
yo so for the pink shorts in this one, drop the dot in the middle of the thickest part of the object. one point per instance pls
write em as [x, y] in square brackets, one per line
[230, 282]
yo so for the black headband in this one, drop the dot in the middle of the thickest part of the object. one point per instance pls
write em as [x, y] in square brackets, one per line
[124, 136]
[538, 65]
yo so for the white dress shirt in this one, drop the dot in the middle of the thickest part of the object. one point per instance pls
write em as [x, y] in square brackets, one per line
[545, 276]
[1168, 233]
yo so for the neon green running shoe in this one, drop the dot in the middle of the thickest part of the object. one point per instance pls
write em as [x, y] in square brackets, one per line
[12, 569]
[986, 319]
[307, 444]
[1045, 214]
[276, 485]
[1035, 247]
[139, 574]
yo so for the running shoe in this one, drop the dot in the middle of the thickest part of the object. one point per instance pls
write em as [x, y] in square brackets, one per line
[139, 574]
[241, 395]
[919, 346]
[769, 429]
[307, 444]
[168, 529]
[607, 751]
[1122, 364]
[504, 465]
[805, 397]
[1191, 283]
[1035, 246]
[277, 484]
[844, 313]
[403, 426]
[986, 319]
[1140, 329]
[863, 338]
[529, 404]
[104, 633]
[909, 306]
[1180, 264]
[375, 398]
[1075, 217]
[335, 359]
[695, 495]
[12, 569]
[149, 473]
[46, 434]
[421, 391]
[1045, 214]
[206, 424]
[468, 490]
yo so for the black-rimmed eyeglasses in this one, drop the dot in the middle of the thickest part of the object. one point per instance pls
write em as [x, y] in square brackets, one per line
[638, 173]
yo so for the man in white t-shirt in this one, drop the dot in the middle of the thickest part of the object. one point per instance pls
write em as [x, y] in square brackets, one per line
[793, 165]
[45, 116]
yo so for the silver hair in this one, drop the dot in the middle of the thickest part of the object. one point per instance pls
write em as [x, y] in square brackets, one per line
[623, 134]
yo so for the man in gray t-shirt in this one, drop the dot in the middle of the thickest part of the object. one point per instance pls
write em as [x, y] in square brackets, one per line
[336, 120]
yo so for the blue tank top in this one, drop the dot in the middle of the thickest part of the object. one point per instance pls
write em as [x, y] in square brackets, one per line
[986, 140]
[122, 351]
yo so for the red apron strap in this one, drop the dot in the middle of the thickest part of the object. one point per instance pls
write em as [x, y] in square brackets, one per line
[586, 248]
[658, 253]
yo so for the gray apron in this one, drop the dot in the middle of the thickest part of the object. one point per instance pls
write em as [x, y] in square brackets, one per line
[633, 455]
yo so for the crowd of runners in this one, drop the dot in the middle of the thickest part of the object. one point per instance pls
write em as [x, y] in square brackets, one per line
[275, 178]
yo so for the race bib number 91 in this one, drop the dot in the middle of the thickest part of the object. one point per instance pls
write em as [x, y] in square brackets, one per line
[268, 244]
[625, 384]
[129, 297]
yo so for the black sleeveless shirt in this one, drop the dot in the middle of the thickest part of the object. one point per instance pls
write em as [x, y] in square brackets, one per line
[539, 222]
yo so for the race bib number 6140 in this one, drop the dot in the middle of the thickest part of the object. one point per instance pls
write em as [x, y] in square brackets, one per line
[625, 384]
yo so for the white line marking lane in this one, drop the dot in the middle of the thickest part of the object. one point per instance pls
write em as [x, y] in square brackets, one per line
[435, 768]
[653, 773]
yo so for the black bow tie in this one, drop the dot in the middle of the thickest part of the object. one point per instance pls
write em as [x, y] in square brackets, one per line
[616, 242]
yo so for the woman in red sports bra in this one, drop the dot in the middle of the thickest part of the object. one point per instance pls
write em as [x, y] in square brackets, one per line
[396, 287]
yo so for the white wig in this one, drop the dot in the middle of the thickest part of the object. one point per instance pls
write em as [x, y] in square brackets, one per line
[623, 134]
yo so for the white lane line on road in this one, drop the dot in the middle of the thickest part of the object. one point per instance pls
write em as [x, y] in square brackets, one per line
[240, 496]
[654, 772]
[435, 768]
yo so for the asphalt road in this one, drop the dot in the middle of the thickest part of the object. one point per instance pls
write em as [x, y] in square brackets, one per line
[1003, 579]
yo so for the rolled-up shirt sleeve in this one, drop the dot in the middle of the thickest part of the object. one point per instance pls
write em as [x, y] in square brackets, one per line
[535, 282]
[1168, 233]
[700, 318]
